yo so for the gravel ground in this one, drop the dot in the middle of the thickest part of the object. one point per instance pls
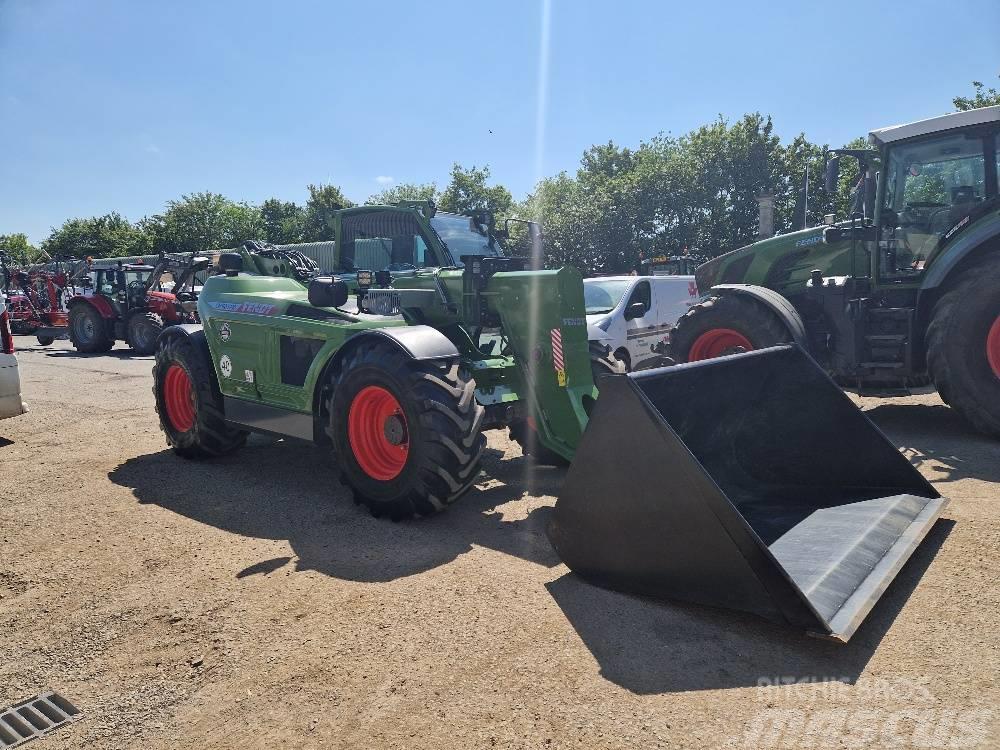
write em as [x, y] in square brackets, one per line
[247, 602]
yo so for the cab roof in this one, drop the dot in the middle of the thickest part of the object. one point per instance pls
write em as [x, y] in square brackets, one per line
[934, 125]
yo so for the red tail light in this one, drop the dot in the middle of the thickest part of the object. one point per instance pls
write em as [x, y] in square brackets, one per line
[6, 338]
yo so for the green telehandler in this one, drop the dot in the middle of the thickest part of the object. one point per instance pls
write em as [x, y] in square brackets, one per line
[903, 294]
[428, 334]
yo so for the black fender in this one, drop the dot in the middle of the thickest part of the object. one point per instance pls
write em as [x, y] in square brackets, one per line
[953, 255]
[193, 332]
[774, 302]
[418, 342]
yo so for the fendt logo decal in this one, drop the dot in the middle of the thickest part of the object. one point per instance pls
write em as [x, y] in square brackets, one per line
[225, 332]
[249, 308]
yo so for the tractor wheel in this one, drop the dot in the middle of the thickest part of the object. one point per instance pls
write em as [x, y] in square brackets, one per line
[45, 340]
[142, 331]
[963, 346]
[524, 434]
[407, 434]
[88, 330]
[189, 403]
[729, 324]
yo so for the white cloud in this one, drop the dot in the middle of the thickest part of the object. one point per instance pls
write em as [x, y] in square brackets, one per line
[383, 179]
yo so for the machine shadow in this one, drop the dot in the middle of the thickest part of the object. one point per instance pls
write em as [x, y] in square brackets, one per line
[652, 647]
[73, 354]
[937, 440]
[283, 489]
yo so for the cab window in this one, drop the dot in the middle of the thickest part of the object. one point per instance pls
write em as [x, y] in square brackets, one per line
[383, 241]
[643, 294]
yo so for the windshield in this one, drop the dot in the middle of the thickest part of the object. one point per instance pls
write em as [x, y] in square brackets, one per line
[601, 296]
[463, 235]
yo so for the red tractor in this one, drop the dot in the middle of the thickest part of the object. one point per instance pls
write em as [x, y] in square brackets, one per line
[130, 302]
[35, 302]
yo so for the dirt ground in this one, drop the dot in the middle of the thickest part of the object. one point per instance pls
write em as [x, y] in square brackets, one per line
[247, 602]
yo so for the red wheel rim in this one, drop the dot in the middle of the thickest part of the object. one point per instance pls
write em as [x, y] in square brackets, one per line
[178, 398]
[717, 343]
[376, 429]
[993, 346]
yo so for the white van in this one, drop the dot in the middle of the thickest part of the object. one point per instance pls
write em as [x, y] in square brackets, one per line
[10, 382]
[635, 314]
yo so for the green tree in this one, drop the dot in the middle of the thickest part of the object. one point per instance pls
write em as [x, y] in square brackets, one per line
[203, 222]
[983, 97]
[323, 201]
[283, 221]
[404, 191]
[467, 191]
[108, 236]
[18, 249]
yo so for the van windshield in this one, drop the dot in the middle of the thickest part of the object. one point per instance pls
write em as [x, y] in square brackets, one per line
[603, 295]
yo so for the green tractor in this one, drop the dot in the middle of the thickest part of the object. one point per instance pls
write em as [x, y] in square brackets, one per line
[903, 294]
[431, 335]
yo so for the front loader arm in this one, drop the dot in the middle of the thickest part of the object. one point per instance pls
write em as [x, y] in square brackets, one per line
[542, 314]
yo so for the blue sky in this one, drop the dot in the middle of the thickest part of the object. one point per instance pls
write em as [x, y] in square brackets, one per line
[122, 105]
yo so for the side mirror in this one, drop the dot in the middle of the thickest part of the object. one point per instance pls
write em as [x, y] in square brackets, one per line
[832, 174]
[326, 291]
[635, 310]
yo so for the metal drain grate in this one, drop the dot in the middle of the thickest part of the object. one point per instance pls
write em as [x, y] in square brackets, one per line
[34, 718]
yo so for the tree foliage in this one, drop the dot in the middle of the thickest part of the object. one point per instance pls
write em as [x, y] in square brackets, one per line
[983, 97]
[108, 236]
[404, 191]
[467, 191]
[323, 201]
[18, 249]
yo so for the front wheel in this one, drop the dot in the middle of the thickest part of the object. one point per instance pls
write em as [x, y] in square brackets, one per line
[88, 330]
[45, 340]
[725, 325]
[189, 403]
[143, 330]
[963, 346]
[407, 433]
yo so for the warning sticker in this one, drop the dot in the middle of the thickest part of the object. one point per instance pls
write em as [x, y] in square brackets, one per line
[558, 363]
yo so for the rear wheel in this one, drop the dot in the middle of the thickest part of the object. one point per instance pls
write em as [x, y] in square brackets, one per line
[725, 325]
[407, 433]
[524, 432]
[88, 330]
[189, 402]
[45, 340]
[142, 332]
[963, 346]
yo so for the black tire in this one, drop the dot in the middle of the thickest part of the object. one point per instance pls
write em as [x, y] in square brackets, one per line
[956, 345]
[752, 320]
[45, 340]
[442, 430]
[88, 330]
[602, 362]
[142, 331]
[209, 434]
